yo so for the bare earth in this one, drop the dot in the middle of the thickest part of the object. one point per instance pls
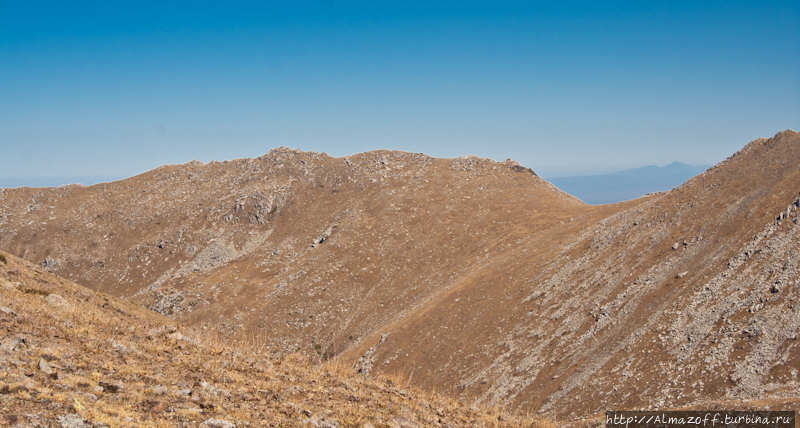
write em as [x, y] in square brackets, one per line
[472, 277]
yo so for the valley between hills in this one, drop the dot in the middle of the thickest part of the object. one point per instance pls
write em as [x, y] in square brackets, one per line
[472, 278]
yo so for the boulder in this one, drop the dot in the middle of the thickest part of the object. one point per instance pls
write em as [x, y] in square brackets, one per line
[45, 368]
[73, 421]
[57, 301]
[217, 423]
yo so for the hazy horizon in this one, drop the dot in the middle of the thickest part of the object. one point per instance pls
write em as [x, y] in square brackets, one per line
[88, 180]
[101, 89]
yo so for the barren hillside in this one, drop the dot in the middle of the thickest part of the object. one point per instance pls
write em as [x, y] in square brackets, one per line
[75, 358]
[466, 275]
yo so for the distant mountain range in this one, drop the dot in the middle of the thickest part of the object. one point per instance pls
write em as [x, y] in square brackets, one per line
[56, 181]
[627, 184]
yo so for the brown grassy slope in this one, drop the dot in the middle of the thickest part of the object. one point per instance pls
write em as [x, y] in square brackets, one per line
[89, 358]
[230, 244]
[492, 285]
[601, 313]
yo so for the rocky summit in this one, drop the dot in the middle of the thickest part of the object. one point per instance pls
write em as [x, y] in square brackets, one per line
[471, 277]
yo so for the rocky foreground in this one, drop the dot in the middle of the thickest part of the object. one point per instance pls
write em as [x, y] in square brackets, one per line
[75, 358]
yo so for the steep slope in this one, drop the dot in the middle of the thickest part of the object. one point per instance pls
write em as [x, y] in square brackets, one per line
[685, 298]
[465, 275]
[72, 357]
[232, 244]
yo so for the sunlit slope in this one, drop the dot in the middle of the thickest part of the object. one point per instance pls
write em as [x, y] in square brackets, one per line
[232, 245]
[491, 284]
[684, 298]
[73, 357]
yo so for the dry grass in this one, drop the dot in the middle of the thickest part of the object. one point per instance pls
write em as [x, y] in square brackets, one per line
[118, 365]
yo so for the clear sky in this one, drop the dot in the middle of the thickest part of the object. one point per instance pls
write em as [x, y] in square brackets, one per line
[566, 88]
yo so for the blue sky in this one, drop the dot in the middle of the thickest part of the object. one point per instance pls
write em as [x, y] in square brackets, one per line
[117, 88]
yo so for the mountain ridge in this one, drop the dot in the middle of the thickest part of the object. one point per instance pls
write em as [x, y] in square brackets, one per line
[491, 283]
